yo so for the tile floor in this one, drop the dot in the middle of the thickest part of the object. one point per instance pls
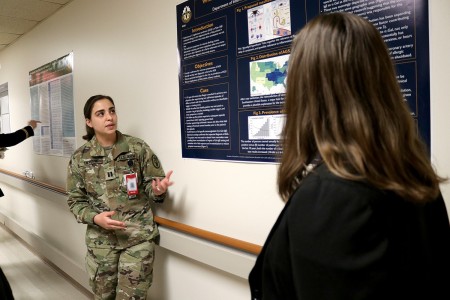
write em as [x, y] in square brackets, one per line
[30, 277]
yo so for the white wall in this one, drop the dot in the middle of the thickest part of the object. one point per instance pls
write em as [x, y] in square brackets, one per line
[440, 91]
[128, 49]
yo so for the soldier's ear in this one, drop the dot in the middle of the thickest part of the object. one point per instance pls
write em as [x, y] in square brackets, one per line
[88, 123]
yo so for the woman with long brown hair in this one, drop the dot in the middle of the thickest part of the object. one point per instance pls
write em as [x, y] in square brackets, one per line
[364, 217]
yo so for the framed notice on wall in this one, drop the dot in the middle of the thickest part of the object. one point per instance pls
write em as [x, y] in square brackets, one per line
[234, 56]
[5, 126]
[51, 94]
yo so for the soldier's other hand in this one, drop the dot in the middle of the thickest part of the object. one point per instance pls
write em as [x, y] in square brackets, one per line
[160, 186]
[104, 220]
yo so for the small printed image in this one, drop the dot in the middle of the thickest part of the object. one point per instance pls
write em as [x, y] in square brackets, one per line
[268, 76]
[269, 21]
[267, 127]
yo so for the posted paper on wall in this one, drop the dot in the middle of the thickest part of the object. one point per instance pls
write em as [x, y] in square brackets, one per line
[234, 56]
[51, 94]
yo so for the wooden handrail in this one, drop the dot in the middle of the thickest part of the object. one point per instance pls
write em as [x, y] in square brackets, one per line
[35, 182]
[193, 231]
[210, 236]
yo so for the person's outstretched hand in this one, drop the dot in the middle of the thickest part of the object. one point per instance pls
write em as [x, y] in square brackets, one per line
[104, 220]
[33, 123]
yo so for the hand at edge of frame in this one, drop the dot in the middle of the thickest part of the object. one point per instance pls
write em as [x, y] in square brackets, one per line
[33, 123]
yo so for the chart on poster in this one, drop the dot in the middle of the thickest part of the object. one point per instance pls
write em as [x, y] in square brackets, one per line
[234, 57]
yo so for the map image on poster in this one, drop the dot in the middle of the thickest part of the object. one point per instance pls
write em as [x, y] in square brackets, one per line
[234, 59]
[269, 21]
[268, 76]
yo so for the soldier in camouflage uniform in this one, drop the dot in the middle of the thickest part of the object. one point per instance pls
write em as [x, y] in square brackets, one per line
[111, 180]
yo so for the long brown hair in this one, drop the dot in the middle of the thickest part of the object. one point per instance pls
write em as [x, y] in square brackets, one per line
[343, 101]
[88, 113]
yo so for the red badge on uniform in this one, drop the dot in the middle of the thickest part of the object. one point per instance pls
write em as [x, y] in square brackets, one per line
[131, 183]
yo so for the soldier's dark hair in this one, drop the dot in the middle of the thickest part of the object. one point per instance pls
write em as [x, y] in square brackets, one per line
[88, 112]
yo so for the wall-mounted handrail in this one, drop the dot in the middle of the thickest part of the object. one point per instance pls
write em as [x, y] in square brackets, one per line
[210, 236]
[193, 231]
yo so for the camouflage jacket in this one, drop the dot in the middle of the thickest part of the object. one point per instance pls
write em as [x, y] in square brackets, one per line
[95, 183]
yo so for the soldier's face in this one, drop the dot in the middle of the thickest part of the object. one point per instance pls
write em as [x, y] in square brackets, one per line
[103, 118]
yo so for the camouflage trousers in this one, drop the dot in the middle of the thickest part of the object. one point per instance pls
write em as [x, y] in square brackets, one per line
[124, 274]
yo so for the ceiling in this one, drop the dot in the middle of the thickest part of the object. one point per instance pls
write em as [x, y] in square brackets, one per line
[17, 17]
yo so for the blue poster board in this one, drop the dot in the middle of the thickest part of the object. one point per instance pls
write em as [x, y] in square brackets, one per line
[233, 63]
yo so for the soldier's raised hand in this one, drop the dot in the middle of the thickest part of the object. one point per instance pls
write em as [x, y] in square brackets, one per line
[160, 186]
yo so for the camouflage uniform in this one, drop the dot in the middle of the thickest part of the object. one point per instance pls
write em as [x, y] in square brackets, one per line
[119, 262]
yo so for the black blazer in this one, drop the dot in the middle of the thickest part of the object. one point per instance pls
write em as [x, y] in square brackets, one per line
[11, 139]
[344, 240]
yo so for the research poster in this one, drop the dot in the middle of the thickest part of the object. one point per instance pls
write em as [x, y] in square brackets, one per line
[5, 126]
[234, 57]
[51, 96]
